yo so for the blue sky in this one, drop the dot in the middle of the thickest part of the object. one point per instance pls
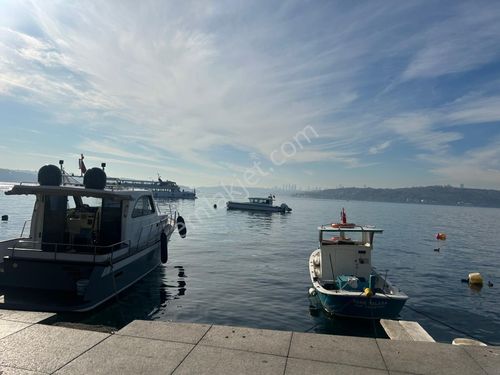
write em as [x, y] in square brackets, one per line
[388, 94]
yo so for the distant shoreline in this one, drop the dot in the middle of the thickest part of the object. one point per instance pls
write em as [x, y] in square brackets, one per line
[430, 195]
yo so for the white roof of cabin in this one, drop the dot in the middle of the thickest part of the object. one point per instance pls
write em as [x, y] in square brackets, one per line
[77, 191]
[357, 228]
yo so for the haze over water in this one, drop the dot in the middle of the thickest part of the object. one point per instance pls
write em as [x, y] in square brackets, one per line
[250, 269]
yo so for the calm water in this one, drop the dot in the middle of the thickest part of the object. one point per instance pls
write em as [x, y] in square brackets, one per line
[250, 269]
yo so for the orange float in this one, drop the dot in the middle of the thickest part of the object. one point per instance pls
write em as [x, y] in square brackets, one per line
[441, 236]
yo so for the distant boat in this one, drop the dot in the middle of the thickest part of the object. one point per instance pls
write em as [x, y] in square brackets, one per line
[343, 278]
[160, 189]
[258, 204]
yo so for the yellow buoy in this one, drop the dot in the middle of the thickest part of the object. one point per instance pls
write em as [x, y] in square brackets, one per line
[368, 292]
[475, 278]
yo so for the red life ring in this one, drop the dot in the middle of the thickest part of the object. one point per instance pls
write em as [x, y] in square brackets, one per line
[346, 225]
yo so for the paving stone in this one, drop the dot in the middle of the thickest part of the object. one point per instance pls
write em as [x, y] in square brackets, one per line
[17, 371]
[427, 358]
[347, 350]
[129, 355]
[189, 333]
[220, 361]
[487, 357]
[45, 348]
[303, 366]
[25, 316]
[8, 327]
[250, 339]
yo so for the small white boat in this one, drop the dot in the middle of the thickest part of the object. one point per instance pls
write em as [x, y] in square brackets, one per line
[84, 244]
[343, 278]
[258, 204]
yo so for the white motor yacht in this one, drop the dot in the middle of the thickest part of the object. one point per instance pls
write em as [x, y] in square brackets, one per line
[83, 244]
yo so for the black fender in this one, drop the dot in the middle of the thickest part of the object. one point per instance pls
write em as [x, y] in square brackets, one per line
[181, 226]
[164, 247]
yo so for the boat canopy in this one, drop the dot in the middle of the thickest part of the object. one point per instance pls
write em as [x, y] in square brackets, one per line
[68, 190]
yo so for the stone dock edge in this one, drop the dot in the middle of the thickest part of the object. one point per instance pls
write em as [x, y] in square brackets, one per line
[28, 346]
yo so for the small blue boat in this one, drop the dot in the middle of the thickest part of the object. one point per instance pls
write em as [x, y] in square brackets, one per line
[343, 277]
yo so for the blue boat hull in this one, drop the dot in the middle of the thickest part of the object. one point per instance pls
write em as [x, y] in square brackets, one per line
[375, 307]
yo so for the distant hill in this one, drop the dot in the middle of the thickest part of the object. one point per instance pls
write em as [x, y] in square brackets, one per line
[237, 192]
[9, 175]
[446, 195]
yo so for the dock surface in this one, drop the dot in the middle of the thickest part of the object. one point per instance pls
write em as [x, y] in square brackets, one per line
[27, 346]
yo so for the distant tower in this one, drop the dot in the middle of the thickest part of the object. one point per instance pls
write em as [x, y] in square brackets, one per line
[461, 186]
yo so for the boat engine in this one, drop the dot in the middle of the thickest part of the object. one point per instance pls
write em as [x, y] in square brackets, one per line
[285, 208]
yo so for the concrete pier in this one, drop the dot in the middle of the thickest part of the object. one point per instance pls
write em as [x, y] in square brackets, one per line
[27, 346]
[405, 331]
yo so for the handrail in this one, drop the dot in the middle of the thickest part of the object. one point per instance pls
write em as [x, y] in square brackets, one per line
[37, 246]
[24, 226]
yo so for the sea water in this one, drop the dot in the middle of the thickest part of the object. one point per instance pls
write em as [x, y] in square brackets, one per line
[251, 269]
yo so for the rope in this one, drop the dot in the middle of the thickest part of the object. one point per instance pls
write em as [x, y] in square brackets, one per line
[447, 325]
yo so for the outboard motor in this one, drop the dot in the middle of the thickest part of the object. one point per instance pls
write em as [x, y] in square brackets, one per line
[95, 178]
[49, 175]
[285, 208]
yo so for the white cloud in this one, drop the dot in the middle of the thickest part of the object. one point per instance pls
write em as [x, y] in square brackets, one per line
[479, 167]
[464, 41]
[379, 148]
[475, 110]
[182, 80]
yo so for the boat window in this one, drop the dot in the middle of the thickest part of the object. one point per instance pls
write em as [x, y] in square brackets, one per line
[83, 202]
[54, 221]
[342, 237]
[111, 222]
[144, 206]
[82, 220]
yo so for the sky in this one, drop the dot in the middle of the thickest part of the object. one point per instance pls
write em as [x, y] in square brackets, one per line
[255, 93]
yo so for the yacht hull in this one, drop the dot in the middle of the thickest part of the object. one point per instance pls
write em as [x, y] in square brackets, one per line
[54, 286]
[254, 207]
[374, 307]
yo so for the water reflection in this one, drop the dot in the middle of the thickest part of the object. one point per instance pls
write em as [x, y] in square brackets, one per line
[181, 283]
[143, 300]
[325, 322]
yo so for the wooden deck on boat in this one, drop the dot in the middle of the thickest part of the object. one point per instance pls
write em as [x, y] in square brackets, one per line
[27, 346]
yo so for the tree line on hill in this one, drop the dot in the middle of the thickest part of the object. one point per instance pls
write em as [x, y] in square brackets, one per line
[446, 195]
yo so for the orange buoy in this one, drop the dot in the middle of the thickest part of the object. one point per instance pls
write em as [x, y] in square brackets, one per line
[441, 236]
